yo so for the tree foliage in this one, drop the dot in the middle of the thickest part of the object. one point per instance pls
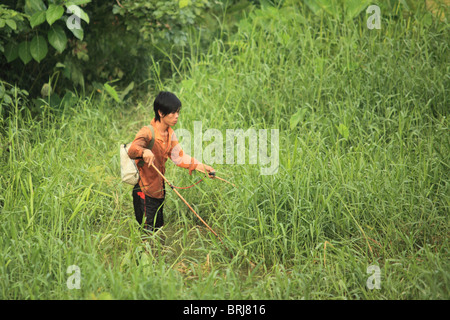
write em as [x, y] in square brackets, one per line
[50, 47]
[37, 37]
[81, 45]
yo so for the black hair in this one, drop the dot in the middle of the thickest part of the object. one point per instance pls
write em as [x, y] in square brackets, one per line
[167, 103]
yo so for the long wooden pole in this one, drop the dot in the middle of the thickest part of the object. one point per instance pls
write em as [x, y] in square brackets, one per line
[207, 226]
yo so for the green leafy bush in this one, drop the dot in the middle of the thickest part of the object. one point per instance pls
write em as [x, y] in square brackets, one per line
[82, 45]
[36, 38]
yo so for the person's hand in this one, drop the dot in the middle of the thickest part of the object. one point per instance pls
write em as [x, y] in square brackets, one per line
[148, 157]
[211, 172]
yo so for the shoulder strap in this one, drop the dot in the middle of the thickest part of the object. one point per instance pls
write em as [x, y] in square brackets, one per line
[152, 141]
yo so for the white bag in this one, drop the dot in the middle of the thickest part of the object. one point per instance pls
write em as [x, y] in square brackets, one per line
[128, 169]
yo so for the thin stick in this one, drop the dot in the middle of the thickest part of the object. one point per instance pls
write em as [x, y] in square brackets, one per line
[207, 226]
[216, 177]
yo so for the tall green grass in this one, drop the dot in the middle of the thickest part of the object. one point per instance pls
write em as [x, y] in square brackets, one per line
[363, 175]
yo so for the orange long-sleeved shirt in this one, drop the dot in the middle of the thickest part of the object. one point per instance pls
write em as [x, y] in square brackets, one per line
[151, 183]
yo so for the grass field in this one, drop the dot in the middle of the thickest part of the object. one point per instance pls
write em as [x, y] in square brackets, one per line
[363, 176]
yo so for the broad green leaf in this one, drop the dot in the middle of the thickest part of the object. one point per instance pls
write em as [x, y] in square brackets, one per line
[79, 33]
[76, 75]
[343, 130]
[77, 11]
[112, 92]
[24, 52]
[54, 12]
[6, 99]
[78, 2]
[313, 6]
[38, 48]
[57, 38]
[297, 117]
[54, 101]
[37, 18]
[32, 6]
[126, 90]
[183, 3]
[2, 23]
[84, 16]
[329, 6]
[11, 52]
[427, 19]
[69, 100]
[354, 7]
[12, 24]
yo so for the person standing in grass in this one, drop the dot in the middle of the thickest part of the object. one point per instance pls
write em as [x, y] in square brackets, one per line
[149, 192]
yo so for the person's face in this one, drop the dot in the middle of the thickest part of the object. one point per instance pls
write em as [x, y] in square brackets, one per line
[170, 119]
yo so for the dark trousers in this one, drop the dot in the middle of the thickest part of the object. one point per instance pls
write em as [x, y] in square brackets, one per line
[149, 208]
